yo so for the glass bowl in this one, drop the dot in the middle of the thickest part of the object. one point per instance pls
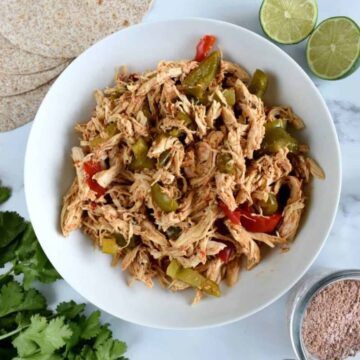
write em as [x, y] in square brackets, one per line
[308, 287]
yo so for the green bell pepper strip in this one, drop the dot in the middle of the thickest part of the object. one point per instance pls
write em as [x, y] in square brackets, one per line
[110, 129]
[270, 206]
[199, 79]
[185, 118]
[141, 160]
[162, 200]
[259, 83]
[109, 246]
[278, 138]
[187, 121]
[192, 278]
[140, 148]
[278, 123]
[224, 164]
[229, 95]
[173, 268]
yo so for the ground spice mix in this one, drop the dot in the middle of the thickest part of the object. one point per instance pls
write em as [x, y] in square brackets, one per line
[331, 326]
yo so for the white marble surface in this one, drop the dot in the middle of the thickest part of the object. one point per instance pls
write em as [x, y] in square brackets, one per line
[263, 336]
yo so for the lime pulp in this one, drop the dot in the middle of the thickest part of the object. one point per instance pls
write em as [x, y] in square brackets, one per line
[290, 21]
[333, 49]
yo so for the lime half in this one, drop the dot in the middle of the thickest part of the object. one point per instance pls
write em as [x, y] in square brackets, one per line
[333, 50]
[288, 21]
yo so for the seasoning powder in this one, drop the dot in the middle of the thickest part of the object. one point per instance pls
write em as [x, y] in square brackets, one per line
[331, 326]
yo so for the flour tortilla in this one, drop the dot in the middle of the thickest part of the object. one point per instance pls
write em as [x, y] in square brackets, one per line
[65, 28]
[19, 109]
[13, 60]
[17, 84]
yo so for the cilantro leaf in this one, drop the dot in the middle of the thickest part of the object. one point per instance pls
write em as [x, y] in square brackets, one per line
[23, 318]
[19, 245]
[7, 323]
[11, 225]
[110, 350]
[24, 342]
[42, 337]
[87, 353]
[19, 320]
[27, 244]
[14, 298]
[7, 253]
[32, 261]
[5, 279]
[11, 297]
[70, 309]
[5, 194]
[33, 300]
[55, 335]
[90, 327]
[104, 334]
[75, 337]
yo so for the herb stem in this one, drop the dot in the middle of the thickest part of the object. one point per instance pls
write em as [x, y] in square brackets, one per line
[3, 276]
[11, 333]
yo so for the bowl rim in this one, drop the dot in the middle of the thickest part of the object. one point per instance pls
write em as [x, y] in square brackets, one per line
[27, 168]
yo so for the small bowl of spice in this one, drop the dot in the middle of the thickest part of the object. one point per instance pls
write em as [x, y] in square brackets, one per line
[325, 316]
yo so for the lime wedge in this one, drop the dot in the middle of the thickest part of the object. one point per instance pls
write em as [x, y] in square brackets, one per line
[333, 49]
[288, 21]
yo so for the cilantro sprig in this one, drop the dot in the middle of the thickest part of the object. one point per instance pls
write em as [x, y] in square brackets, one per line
[19, 246]
[28, 329]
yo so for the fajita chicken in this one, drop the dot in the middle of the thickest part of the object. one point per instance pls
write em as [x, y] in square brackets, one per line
[183, 173]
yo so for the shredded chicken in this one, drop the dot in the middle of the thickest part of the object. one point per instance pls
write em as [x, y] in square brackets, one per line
[232, 271]
[248, 246]
[253, 112]
[225, 185]
[293, 209]
[148, 142]
[71, 212]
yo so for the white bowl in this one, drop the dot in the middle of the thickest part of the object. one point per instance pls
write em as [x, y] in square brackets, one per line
[49, 172]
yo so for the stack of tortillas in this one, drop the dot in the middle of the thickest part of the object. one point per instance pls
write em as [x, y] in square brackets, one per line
[39, 38]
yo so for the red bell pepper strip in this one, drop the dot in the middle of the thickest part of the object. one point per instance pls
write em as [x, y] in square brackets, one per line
[233, 216]
[226, 253]
[258, 223]
[204, 46]
[91, 168]
[250, 221]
